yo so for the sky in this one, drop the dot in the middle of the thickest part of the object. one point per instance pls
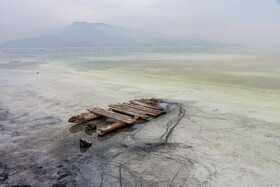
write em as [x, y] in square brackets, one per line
[229, 21]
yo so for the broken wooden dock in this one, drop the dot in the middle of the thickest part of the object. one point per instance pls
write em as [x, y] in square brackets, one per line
[124, 113]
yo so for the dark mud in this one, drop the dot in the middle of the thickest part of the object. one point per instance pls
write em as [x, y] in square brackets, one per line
[144, 157]
[140, 155]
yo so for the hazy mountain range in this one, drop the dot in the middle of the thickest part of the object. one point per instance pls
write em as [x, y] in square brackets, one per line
[82, 34]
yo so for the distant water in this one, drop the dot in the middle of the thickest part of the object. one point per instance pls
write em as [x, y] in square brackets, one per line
[132, 53]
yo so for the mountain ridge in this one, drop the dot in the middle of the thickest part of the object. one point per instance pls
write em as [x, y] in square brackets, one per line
[83, 34]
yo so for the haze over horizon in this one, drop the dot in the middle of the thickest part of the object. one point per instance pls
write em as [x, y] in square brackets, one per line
[231, 21]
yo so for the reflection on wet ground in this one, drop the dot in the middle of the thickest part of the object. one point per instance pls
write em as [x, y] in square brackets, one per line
[89, 127]
[142, 157]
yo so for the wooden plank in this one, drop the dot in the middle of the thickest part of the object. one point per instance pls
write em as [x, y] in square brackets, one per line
[113, 115]
[149, 110]
[148, 101]
[109, 128]
[129, 112]
[126, 107]
[126, 112]
[145, 105]
[83, 117]
[135, 110]
[141, 108]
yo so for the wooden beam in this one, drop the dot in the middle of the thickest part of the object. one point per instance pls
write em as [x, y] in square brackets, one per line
[145, 105]
[148, 101]
[135, 110]
[113, 115]
[126, 107]
[149, 110]
[109, 128]
[142, 108]
[83, 117]
[129, 112]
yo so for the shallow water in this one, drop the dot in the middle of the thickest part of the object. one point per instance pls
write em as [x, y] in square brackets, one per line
[229, 134]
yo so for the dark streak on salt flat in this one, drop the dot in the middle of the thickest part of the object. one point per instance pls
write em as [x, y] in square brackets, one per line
[117, 159]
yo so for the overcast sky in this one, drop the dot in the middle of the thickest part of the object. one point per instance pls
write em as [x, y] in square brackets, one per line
[217, 20]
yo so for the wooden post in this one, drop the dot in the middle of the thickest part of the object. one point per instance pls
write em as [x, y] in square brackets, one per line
[109, 128]
[83, 117]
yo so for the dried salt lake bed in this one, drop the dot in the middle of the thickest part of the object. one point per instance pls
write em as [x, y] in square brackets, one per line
[225, 100]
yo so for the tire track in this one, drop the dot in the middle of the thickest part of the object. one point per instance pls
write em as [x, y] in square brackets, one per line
[172, 124]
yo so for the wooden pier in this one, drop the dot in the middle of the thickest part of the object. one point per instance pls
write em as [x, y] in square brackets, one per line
[124, 113]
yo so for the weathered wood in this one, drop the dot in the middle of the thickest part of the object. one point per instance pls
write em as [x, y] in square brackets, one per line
[85, 143]
[83, 117]
[126, 107]
[113, 115]
[148, 101]
[109, 128]
[142, 108]
[145, 105]
[129, 112]
[136, 110]
[125, 113]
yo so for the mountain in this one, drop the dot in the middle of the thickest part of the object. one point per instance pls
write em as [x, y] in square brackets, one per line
[83, 34]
